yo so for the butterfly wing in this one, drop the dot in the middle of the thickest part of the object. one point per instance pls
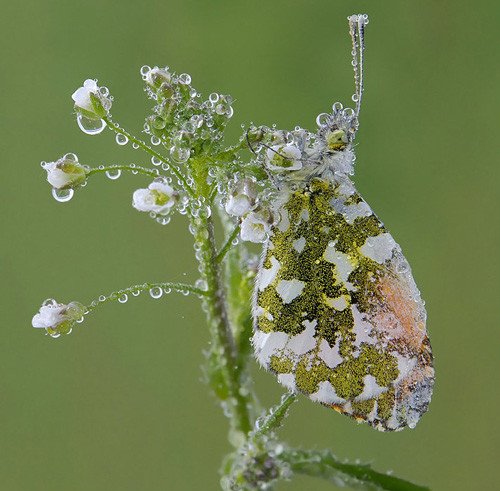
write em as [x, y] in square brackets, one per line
[337, 314]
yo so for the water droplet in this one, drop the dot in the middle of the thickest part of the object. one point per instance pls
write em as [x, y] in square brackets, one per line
[322, 119]
[156, 292]
[123, 298]
[102, 298]
[163, 220]
[179, 154]
[113, 173]
[90, 126]
[71, 156]
[185, 78]
[136, 293]
[145, 70]
[155, 140]
[62, 195]
[121, 139]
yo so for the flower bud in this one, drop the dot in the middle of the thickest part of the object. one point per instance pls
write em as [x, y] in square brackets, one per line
[158, 198]
[91, 100]
[57, 318]
[65, 173]
[155, 77]
[283, 158]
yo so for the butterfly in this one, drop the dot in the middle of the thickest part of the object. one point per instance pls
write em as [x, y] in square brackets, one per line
[337, 314]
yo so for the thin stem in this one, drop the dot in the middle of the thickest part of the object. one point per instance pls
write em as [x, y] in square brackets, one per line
[128, 168]
[358, 476]
[118, 129]
[225, 248]
[177, 287]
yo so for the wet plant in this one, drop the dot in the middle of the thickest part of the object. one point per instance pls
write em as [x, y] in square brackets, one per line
[195, 173]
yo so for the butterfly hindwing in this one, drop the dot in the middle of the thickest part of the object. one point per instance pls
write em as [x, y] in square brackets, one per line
[336, 311]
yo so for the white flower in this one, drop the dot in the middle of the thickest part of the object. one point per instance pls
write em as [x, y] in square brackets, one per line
[158, 198]
[242, 198]
[65, 173]
[255, 227]
[238, 205]
[91, 99]
[283, 157]
[53, 315]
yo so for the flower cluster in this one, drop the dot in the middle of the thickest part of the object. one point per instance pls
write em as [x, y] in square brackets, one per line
[57, 318]
[180, 120]
[243, 202]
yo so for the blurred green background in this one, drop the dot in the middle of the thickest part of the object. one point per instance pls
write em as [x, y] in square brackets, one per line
[119, 403]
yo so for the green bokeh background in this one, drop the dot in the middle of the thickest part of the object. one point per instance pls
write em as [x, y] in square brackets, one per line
[119, 403]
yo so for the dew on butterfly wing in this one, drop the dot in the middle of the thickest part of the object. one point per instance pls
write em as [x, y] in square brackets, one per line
[121, 139]
[62, 195]
[156, 292]
[113, 174]
[90, 126]
[123, 298]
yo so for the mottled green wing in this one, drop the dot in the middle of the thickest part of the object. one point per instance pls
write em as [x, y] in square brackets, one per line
[337, 314]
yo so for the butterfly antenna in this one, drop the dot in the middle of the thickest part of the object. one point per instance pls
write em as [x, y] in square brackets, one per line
[357, 25]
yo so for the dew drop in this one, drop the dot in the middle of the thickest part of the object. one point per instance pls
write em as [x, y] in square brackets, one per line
[136, 293]
[156, 292]
[145, 70]
[155, 140]
[102, 298]
[113, 174]
[62, 195]
[70, 156]
[90, 126]
[179, 154]
[123, 298]
[185, 78]
[322, 119]
[121, 139]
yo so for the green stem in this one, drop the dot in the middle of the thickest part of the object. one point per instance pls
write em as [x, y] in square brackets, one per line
[222, 337]
[357, 476]
[225, 248]
[118, 129]
[178, 287]
[128, 168]
[273, 420]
